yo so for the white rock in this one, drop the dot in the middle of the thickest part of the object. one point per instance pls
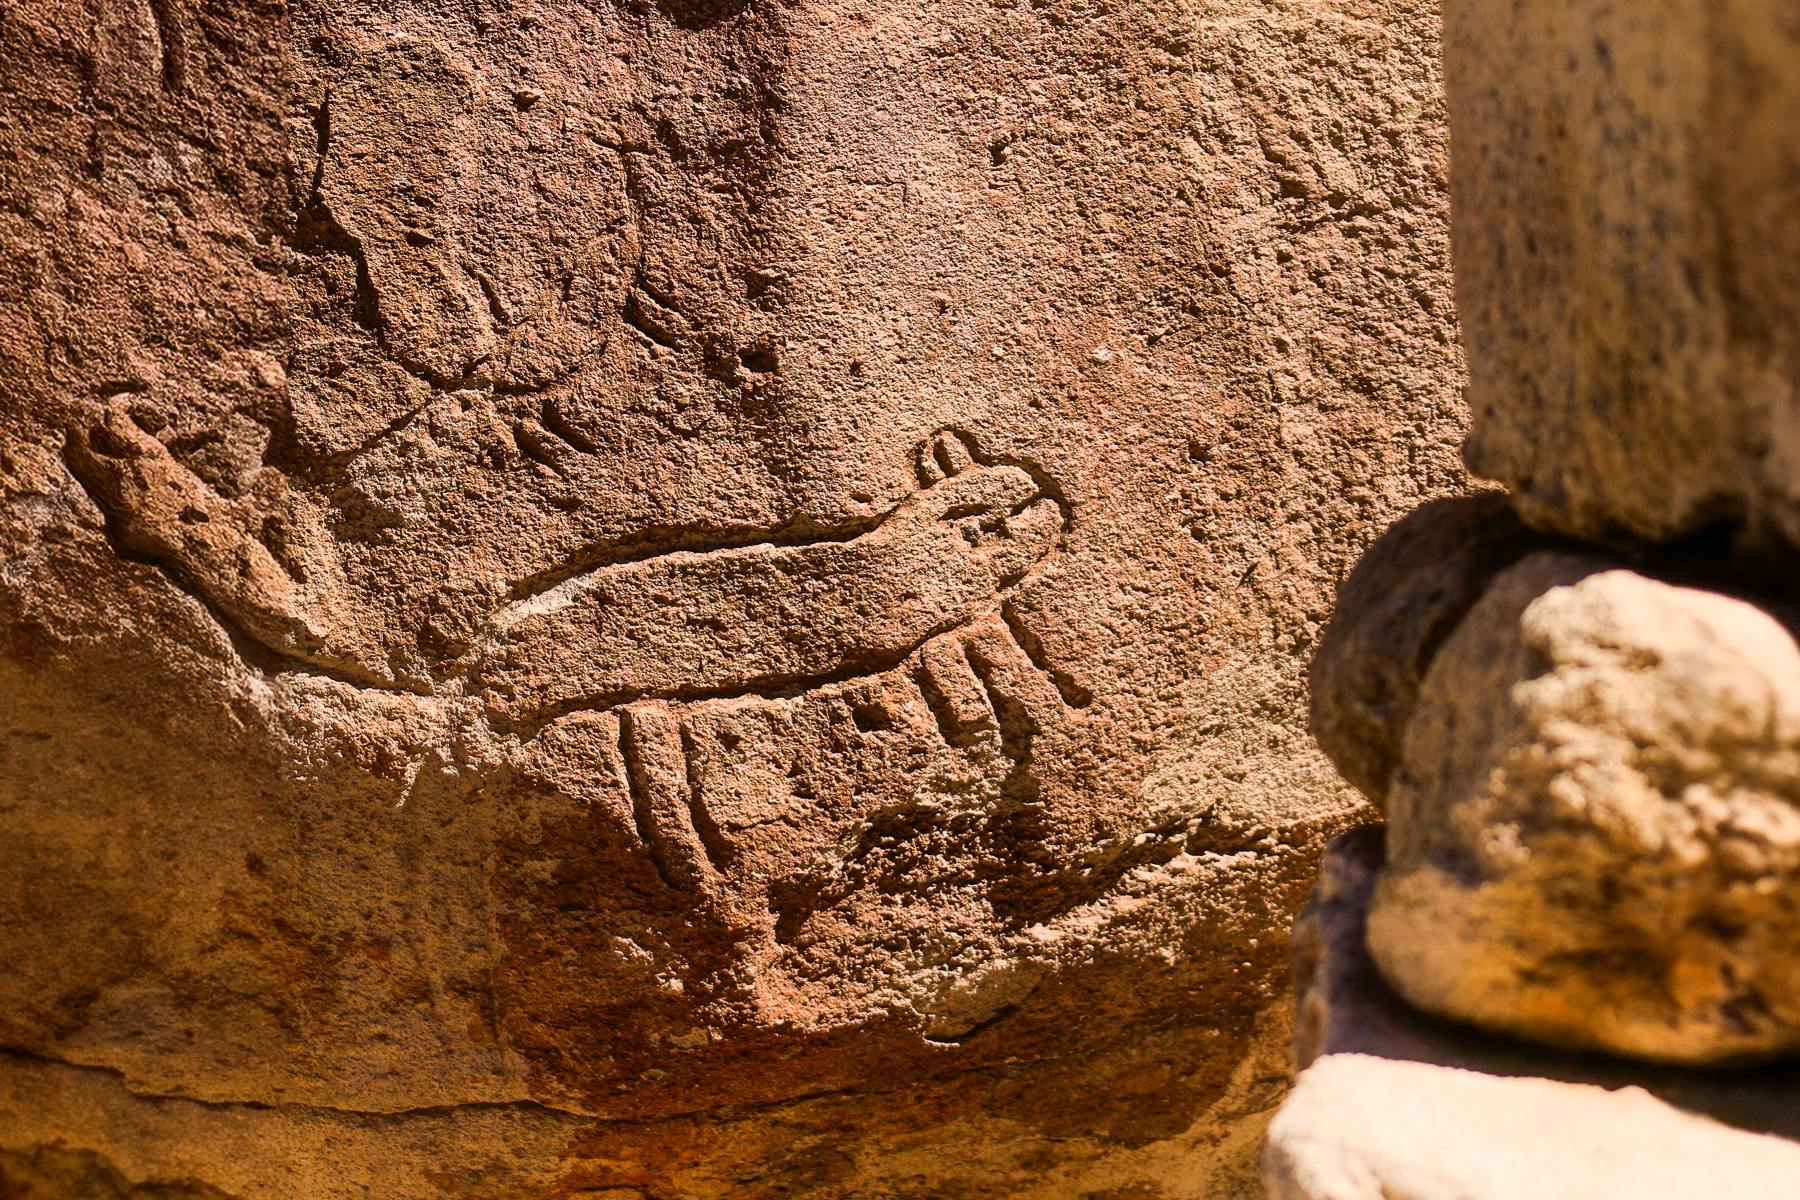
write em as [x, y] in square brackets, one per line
[1594, 841]
[1363, 1128]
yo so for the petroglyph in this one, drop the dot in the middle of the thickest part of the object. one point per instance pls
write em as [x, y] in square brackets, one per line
[680, 625]
[158, 509]
[697, 789]
[764, 617]
[489, 620]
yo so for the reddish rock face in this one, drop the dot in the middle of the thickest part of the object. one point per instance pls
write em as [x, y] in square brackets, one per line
[665, 599]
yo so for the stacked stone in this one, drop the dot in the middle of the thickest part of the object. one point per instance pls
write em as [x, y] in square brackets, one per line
[1578, 702]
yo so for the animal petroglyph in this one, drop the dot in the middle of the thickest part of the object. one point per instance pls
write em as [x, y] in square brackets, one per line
[159, 509]
[633, 666]
[684, 624]
[698, 790]
[615, 571]
[763, 617]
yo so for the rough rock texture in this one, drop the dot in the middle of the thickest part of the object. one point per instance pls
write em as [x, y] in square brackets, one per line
[1363, 1128]
[1626, 241]
[1393, 613]
[854, 1144]
[692, 597]
[1344, 1007]
[1595, 839]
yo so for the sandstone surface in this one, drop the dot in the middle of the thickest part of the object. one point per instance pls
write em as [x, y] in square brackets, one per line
[1594, 835]
[1625, 246]
[685, 597]
[1363, 1128]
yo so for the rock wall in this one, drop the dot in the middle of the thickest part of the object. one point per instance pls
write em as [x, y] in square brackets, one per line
[685, 599]
[1625, 244]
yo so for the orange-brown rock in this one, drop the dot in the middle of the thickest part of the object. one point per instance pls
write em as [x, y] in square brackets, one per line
[684, 599]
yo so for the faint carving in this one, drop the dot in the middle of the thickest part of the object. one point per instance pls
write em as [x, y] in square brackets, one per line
[679, 625]
[764, 618]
